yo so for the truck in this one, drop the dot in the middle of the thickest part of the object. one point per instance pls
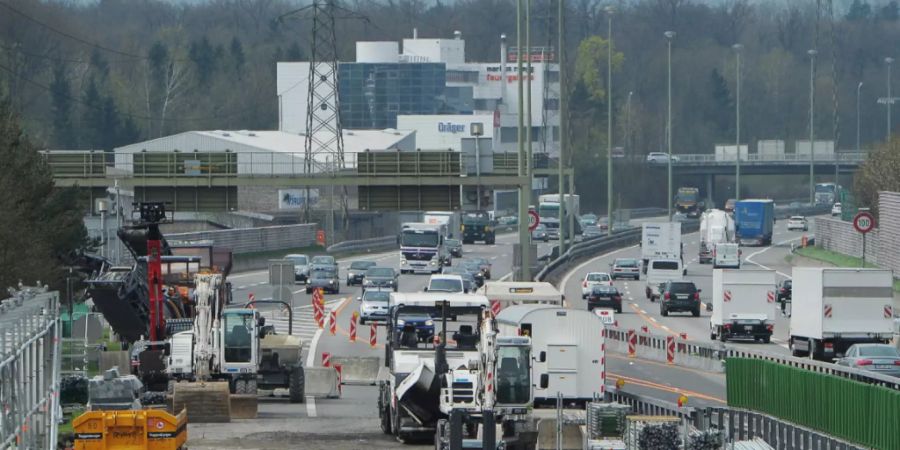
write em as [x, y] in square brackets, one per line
[477, 226]
[726, 255]
[716, 226]
[562, 364]
[839, 307]
[754, 221]
[660, 240]
[827, 193]
[447, 221]
[548, 210]
[422, 248]
[687, 202]
[743, 305]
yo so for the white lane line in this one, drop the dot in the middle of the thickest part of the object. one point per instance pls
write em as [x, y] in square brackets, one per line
[633, 304]
[504, 277]
[311, 358]
[493, 258]
[749, 258]
[663, 326]
[643, 312]
[653, 319]
[565, 280]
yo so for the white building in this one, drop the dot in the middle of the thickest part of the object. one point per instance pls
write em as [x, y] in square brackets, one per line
[445, 132]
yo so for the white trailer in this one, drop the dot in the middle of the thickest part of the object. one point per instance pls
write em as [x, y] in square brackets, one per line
[503, 294]
[730, 152]
[448, 221]
[743, 305]
[834, 308]
[567, 346]
[660, 240]
[716, 226]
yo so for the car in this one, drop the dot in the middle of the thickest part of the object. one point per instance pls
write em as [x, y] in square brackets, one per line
[454, 246]
[421, 324]
[469, 283]
[357, 271]
[879, 358]
[323, 262]
[508, 220]
[373, 305]
[446, 283]
[729, 205]
[592, 231]
[588, 219]
[474, 268]
[592, 279]
[381, 277]
[836, 209]
[485, 267]
[602, 296]
[625, 268]
[301, 266]
[540, 233]
[324, 278]
[797, 223]
[679, 296]
[660, 158]
[659, 271]
[617, 153]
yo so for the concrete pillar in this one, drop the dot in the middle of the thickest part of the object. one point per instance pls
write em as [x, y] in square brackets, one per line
[710, 185]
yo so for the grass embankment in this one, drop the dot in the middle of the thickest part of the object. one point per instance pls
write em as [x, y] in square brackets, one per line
[837, 259]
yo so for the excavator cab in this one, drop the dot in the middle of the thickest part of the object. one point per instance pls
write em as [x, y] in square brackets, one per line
[513, 374]
[240, 345]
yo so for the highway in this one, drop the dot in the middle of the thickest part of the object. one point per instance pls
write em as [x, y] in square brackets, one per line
[352, 420]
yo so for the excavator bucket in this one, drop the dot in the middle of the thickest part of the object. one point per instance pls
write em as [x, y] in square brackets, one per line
[244, 406]
[205, 402]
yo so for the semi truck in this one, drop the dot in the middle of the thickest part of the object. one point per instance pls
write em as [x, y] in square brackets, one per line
[743, 305]
[422, 248]
[754, 221]
[716, 226]
[476, 226]
[687, 201]
[660, 240]
[447, 221]
[839, 307]
[548, 210]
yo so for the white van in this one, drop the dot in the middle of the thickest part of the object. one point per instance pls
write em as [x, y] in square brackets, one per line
[727, 255]
[660, 271]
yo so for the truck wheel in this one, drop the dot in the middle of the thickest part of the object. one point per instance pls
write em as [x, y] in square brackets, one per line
[712, 336]
[663, 311]
[766, 339]
[723, 337]
[251, 387]
[696, 312]
[240, 387]
[297, 385]
[384, 410]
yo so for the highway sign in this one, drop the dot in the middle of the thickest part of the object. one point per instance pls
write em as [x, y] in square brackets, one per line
[533, 220]
[864, 222]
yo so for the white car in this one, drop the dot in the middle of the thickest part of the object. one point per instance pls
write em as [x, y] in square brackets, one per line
[594, 279]
[660, 158]
[836, 209]
[373, 305]
[797, 223]
[446, 283]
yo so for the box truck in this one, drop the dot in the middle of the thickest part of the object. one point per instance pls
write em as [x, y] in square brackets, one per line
[716, 226]
[660, 240]
[837, 307]
[754, 221]
[743, 305]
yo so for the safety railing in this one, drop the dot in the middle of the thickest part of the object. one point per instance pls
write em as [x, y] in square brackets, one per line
[29, 369]
[377, 244]
[758, 158]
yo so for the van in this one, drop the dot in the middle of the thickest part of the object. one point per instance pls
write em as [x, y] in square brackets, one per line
[727, 255]
[661, 270]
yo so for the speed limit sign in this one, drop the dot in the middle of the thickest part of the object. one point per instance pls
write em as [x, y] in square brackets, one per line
[533, 220]
[864, 222]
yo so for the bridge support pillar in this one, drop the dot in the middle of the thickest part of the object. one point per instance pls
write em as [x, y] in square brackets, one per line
[710, 185]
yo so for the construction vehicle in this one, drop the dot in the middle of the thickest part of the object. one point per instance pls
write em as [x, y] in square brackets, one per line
[409, 400]
[130, 429]
[687, 201]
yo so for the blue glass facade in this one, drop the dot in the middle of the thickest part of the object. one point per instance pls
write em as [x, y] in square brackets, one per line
[373, 94]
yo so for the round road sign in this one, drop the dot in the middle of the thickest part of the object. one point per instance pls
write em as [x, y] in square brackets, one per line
[533, 220]
[864, 222]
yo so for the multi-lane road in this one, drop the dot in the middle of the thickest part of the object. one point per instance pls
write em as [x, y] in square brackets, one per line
[352, 420]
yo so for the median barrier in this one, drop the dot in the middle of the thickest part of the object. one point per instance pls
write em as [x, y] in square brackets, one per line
[321, 382]
[357, 369]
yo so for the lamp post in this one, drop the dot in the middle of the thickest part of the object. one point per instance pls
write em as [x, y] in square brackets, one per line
[812, 143]
[890, 100]
[476, 129]
[609, 136]
[670, 35]
[737, 121]
[628, 121]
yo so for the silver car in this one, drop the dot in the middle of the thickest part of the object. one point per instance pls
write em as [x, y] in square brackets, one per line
[374, 305]
[301, 267]
[879, 358]
[540, 233]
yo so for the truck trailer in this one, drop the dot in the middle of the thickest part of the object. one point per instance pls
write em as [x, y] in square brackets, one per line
[716, 226]
[743, 305]
[835, 308]
[660, 240]
[754, 221]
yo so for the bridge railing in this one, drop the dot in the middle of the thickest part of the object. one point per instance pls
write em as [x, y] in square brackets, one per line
[756, 158]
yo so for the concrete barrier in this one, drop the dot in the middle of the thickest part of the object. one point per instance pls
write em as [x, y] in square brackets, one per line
[321, 382]
[357, 369]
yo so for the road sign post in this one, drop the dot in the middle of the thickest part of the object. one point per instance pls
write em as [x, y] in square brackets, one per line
[864, 222]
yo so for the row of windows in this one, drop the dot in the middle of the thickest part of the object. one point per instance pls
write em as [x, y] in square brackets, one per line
[511, 134]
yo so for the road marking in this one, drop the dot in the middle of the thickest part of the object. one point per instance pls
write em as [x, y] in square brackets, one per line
[749, 258]
[493, 258]
[660, 387]
[643, 312]
[665, 328]
[565, 280]
[653, 319]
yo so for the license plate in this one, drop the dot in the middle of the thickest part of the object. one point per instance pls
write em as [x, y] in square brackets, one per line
[883, 366]
[748, 327]
[681, 297]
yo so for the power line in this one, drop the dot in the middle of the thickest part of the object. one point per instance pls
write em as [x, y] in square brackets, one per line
[122, 113]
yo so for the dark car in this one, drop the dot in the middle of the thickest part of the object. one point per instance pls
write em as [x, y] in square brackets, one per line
[469, 282]
[421, 323]
[326, 279]
[323, 262]
[625, 268]
[454, 246]
[485, 267]
[679, 296]
[381, 277]
[603, 296]
[881, 358]
[474, 268]
[784, 291]
[357, 271]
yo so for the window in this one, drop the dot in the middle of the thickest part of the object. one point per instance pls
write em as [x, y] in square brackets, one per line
[462, 76]
[598, 277]
[551, 104]
[513, 375]
[509, 134]
[553, 76]
[238, 333]
[665, 265]
[445, 285]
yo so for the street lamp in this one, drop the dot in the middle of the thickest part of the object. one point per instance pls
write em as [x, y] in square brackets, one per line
[628, 121]
[812, 146]
[836, 160]
[737, 120]
[476, 130]
[890, 100]
[670, 35]
[609, 136]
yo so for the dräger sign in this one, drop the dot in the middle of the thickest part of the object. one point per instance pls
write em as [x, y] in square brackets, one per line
[449, 127]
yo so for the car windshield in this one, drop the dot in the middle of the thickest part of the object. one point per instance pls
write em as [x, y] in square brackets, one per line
[376, 296]
[787, 283]
[798, 218]
[322, 274]
[682, 288]
[472, 266]
[665, 265]
[884, 351]
[452, 242]
[598, 277]
[445, 285]
[604, 290]
[419, 238]
[361, 265]
[540, 227]
[299, 260]
[414, 318]
[626, 263]
[380, 272]
[323, 260]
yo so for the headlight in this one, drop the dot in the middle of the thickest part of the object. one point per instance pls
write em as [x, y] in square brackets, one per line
[480, 274]
[433, 262]
[330, 281]
[401, 322]
[402, 262]
[429, 323]
[487, 229]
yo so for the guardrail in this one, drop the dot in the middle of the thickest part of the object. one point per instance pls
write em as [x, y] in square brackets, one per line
[756, 158]
[377, 244]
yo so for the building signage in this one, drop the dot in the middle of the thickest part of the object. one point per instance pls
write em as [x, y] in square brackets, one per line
[449, 127]
[296, 198]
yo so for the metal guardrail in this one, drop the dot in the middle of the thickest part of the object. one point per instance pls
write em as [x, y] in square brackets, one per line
[756, 158]
[29, 369]
[377, 244]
